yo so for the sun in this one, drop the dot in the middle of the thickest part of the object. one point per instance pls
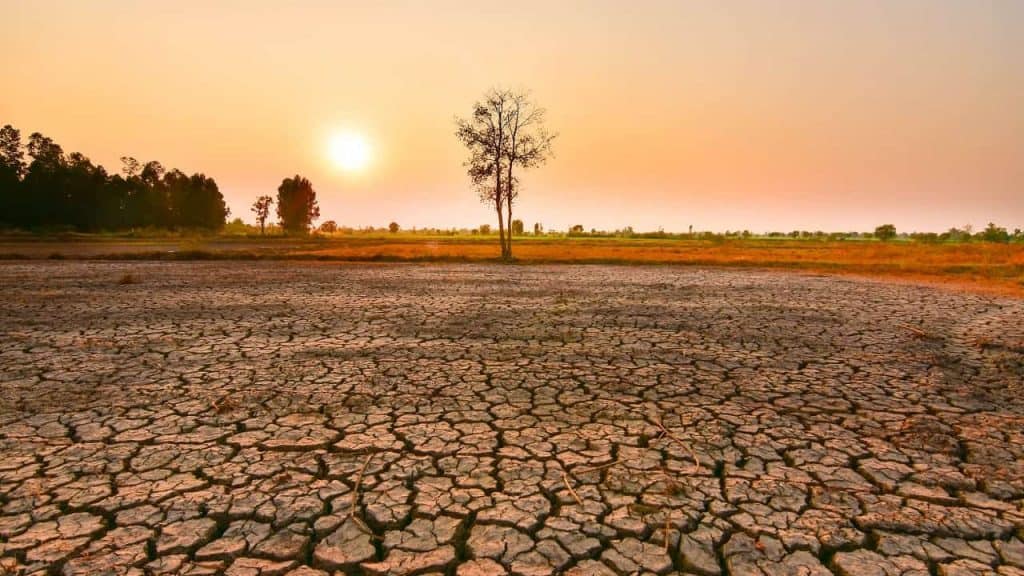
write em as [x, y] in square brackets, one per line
[349, 151]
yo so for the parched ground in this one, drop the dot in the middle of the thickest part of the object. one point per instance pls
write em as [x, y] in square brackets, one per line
[272, 418]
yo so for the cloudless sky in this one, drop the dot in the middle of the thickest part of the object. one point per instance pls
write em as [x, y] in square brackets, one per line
[816, 114]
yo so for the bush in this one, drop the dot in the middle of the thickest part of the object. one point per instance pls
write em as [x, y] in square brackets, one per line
[885, 232]
[993, 233]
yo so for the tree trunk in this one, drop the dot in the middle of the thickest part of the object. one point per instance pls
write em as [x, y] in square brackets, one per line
[508, 201]
[498, 205]
[501, 227]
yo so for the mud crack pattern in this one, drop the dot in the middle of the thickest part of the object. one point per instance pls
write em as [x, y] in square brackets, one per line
[283, 418]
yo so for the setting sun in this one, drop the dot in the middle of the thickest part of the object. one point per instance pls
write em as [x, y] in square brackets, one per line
[349, 151]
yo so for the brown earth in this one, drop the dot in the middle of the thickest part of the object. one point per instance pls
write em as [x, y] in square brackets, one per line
[282, 417]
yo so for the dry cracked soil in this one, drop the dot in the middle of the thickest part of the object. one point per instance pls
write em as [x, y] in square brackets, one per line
[470, 420]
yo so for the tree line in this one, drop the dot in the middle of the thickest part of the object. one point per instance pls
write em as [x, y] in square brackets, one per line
[42, 187]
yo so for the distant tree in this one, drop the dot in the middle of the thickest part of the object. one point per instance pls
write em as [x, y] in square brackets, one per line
[42, 190]
[393, 227]
[576, 229]
[504, 132]
[956, 235]
[993, 233]
[529, 146]
[84, 188]
[152, 198]
[485, 229]
[12, 157]
[329, 227]
[130, 166]
[297, 207]
[262, 209]
[517, 227]
[538, 228]
[202, 204]
[485, 135]
[45, 151]
[12, 169]
[885, 232]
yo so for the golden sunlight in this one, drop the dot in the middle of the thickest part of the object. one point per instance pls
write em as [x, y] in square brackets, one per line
[349, 151]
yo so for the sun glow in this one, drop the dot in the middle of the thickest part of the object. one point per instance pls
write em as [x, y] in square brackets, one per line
[349, 151]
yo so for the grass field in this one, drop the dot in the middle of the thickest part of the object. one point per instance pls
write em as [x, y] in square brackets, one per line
[976, 266]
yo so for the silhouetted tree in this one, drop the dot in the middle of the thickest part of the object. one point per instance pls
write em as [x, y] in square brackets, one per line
[12, 168]
[69, 190]
[154, 208]
[504, 132]
[538, 228]
[516, 227]
[529, 146]
[885, 232]
[84, 185]
[296, 204]
[194, 201]
[485, 135]
[262, 209]
[329, 227]
[130, 166]
[393, 227]
[576, 229]
[993, 233]
[41, 198]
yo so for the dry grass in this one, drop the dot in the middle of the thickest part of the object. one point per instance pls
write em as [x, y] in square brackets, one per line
[989, 268]
[978, 267]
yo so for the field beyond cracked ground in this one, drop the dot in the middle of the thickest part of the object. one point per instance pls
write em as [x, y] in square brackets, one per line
[290, 418]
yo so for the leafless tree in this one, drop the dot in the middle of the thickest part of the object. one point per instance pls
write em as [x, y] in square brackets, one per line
[529, 146]
[505, 132]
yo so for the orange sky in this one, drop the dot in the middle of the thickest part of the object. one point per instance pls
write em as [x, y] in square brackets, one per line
[724, 115]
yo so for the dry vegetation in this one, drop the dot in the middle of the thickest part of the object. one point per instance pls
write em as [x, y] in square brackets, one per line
[987, 267]
[976, 266]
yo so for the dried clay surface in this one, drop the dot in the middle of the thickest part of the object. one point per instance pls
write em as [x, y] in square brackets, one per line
[286, 418]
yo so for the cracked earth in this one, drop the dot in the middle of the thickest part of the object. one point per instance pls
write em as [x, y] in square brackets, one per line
[288, 418]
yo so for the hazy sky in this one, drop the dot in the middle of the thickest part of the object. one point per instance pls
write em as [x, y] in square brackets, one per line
[721, 114]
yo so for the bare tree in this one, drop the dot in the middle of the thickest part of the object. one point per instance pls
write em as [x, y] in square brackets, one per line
[262, 209]
[485, 135]
[529, 146]
[505, 132]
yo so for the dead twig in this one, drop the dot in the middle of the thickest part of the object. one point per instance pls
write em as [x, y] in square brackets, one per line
[359, 522]
[915, 331]
[595, 468]
[677, 440]
[565, 478]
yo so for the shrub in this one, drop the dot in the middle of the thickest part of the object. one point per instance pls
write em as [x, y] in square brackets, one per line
[885, 232]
